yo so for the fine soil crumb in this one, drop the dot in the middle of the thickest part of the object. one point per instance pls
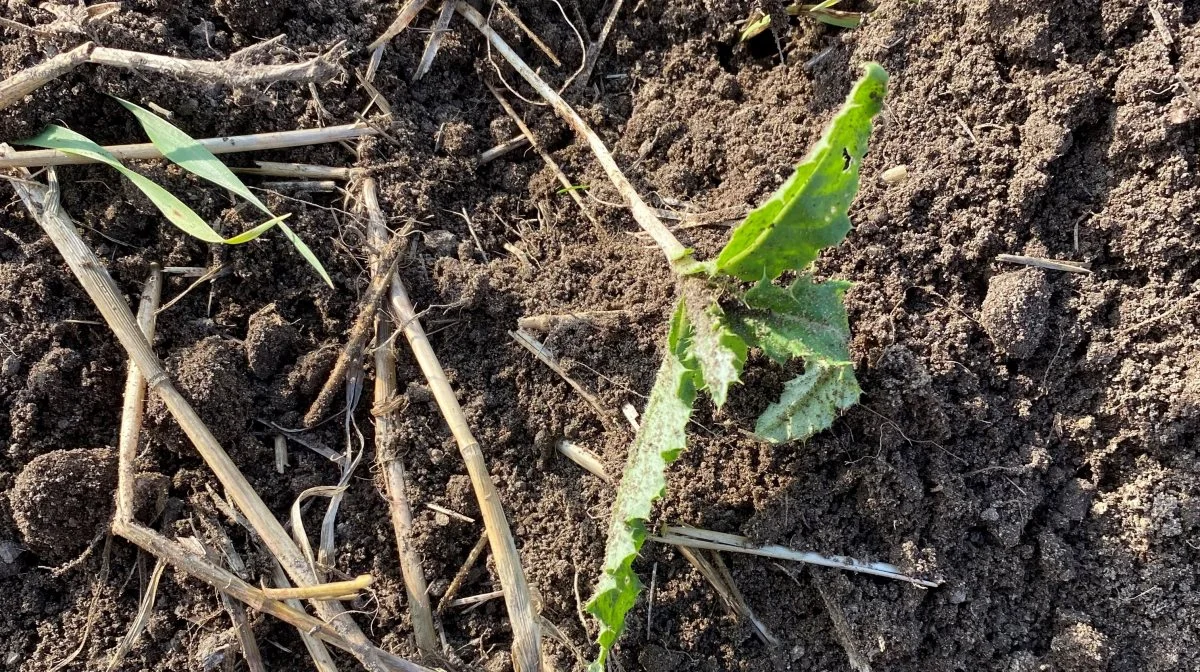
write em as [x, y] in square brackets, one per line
[1079, 648]
[61, 500]
[1014, 311]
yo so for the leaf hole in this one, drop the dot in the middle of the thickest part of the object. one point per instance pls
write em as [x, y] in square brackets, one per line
[846, 159]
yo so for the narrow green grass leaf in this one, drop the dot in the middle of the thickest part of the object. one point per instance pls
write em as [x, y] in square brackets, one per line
[68, 141]
[808, 213]
[305, 252]
[658, 443]
[805, 320]
[838, 18]
[755, 28]
[189, 154]
[195, 158]
[810, 403]
[720, 353]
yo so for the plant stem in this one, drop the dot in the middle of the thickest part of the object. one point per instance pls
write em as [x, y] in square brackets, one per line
[720, 541]
[526, 632]
[360, 331]
[224, 145]
[394, 478]
[43, 203]
[29, 80]
[407, 13]
[229, 72]
[671, 247]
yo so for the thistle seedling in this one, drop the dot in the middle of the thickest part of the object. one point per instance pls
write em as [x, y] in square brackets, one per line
[717, 321]
[187, 153]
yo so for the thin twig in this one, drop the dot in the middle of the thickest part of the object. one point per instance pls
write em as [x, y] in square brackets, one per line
[720, 541]
[29, 80]
[93, 605]
[727, 591]
[448, 512]
[245, 634]
[532, 35]
[334, 590]
[223, 145]
[301, 186]
[142, 618]
[476, 599]
[231, 72]
[361, 330]
[461, 575]
[435, 39]
[584, 458]
[1161, 315]
[548, 322]
[535, 346]
[131, 426]
[506, 147]
[43, 203]
[594, 49]
[322, 659]
[671, 247]
[526, 653]
[301, 171]
[546, 157]
[1052, 264]
[841, 625]
[394, 477]
[407, 13]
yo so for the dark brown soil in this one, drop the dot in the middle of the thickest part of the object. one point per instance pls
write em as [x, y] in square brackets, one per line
[1031, 436]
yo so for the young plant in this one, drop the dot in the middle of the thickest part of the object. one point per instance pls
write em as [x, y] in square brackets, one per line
[193, 157]
[822, 12]
[707, 343]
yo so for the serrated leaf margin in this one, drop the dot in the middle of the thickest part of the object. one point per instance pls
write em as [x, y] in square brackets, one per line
[809, 404]
[661, 438]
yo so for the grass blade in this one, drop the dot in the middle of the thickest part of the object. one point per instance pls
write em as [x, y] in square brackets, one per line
[195, 158]
[189, 154]
[305, 252]
[176, 212]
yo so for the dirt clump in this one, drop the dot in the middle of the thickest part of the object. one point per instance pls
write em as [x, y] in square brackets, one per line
[212, 375]
[1079, 647]
[270, 341]
[61, 500]
[1014, 311]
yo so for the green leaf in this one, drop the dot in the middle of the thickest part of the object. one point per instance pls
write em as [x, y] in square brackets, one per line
[719, 352]
[808, 213]
[195, 158]
[810, 403]
[658, 443]
[68, 141]
[824, 13]
[305, 252]
[189, 154]
[755, 28]
[805, 320]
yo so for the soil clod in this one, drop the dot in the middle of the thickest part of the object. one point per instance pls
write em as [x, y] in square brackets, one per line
[1015, 311]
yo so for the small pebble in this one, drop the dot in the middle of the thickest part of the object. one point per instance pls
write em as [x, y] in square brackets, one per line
[895, 174]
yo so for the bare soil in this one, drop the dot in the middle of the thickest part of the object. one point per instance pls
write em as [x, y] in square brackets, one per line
[1031, 436]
